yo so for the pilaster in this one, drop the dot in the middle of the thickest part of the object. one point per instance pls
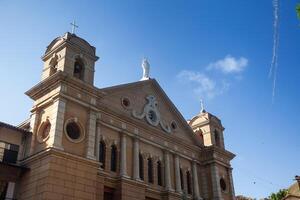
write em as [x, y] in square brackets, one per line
[57, 124]
[91, 136]
[196, 193]
[231, 183]
[136, 167]
[168, 186]
[215, 182]
[33, 128]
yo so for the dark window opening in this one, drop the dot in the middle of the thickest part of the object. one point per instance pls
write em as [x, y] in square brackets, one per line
[3, 190]
[150, 170]
[217, 138]
[108, 193]
[181, 179]
[159, 173]
[113, 159]
[73, 130]
[223, 184]
[141, 166]
[78, 70]
[188, 180]
[102, 151]
[10, 152]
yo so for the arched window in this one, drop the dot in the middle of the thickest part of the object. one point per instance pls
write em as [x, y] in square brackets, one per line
[113, 158]
[141, 166]
[53, 65]
[159, 174]
[217, 138]
[78, 69]
[150, 170]
[223, 184]
[102, 151]
[200, 135]
[188, 182]
[181, 179]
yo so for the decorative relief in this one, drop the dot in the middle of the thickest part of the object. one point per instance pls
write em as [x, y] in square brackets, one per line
[44, 131]
[152, 114]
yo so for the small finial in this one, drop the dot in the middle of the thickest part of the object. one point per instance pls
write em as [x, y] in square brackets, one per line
[73, 24]
[202, 106]
[146, 69]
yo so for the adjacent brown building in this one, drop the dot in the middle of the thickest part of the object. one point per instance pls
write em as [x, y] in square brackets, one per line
[124, 142]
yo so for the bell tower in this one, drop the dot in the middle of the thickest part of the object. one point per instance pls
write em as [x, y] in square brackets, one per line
[72, 55]
[208, 129]
[60, 117]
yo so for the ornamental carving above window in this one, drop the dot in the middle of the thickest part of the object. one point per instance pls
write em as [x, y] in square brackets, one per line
[152, 114]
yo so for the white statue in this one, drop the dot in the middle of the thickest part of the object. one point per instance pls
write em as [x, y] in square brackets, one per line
[146, 68]
[202, 106]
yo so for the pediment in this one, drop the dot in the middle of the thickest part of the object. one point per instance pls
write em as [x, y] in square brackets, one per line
[147, 104]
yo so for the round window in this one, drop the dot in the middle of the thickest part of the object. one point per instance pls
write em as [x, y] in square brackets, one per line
[173, 125]
[44, 131]
[125, 102]
[73, 130]
[223, 184]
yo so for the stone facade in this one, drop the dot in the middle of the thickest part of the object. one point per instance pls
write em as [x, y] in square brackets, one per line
[124, 142]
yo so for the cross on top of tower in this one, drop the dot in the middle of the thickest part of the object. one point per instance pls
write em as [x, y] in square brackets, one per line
[74, 26]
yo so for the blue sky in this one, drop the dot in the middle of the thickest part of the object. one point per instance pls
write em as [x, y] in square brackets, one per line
[219, 51]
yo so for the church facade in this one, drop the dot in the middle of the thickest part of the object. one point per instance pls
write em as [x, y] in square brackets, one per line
[124, 142]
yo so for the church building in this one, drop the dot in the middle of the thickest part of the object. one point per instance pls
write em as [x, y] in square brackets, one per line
[125, 142]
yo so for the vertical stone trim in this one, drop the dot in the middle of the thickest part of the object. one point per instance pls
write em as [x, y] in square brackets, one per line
[123, 164]
[10, 190]
[33, 128]
[57, 121]
[107, 157]
[215, 182]
[91, 136]
[98, 139]
[136, 163]
[167, 171]
[204, 183]
[231, 183]
[177, 174]
[195, 181]
[154, 163]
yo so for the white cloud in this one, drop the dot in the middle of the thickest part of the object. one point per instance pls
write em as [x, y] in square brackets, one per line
[229, 64]
[205, 87]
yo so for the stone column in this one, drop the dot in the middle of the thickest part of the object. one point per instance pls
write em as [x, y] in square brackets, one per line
[136, 163]
[215, 182]
[10, 190]
[195, 181]
[90, 152]
[177, 174]
[57, 123]
[167, 171]
[231, 183]
[123, 164]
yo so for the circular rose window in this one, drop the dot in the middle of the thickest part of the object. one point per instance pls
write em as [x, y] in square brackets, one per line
[73, 130]
[223, 184]
[44, 131]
